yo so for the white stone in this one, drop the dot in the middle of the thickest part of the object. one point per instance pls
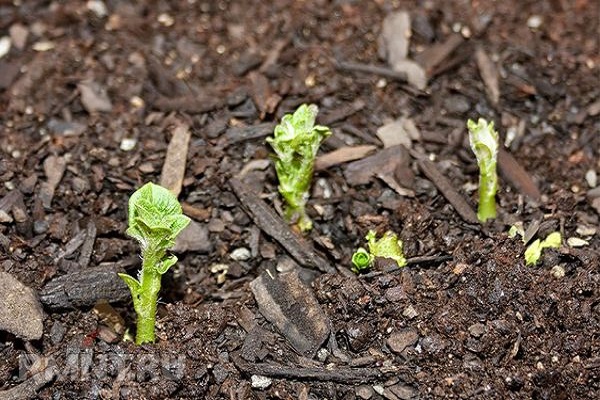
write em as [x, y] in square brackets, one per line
[260, 382]
[240, 254]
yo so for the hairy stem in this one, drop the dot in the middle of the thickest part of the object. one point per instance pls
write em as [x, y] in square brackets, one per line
[147, 300]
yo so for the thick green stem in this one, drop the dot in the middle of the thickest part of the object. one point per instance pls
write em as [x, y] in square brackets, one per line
[488, 185]
[148, 297]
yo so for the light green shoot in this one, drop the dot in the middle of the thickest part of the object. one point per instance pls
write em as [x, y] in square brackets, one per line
[296, 141]
[155, 220]
[534, 250]
[361, 260]
[484, 143]
[388, 246]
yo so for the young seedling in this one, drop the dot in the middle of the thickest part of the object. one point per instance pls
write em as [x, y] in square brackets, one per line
[484, 143]
[155, 220]
[296, 141]
[388, 246]
[534, 250]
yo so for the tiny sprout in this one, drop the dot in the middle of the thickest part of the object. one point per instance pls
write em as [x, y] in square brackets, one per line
[388, 246]
[155, 220]
[361, 260]
[296, 141]
[534, 250]
[484, 143]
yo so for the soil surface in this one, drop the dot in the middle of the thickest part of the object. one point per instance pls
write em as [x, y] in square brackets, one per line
[93, 93]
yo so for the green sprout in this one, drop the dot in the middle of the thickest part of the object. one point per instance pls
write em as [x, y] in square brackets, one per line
[484, 143]
[389, 246]
[155, 220]
[534, 250]
[296, 141]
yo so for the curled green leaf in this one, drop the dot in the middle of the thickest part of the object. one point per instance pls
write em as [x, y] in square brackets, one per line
[296, 141]
[533, 252]
[361, 259]
[484, 143]
[388, 246]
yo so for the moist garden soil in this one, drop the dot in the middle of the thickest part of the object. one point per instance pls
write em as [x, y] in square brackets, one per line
[90, 98]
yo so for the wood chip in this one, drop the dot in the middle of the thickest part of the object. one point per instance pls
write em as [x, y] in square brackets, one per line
[20, 310]
[42, 372]
[54, 168]
[516, 175]
[434, 55]
[401, 131]
[343, 155]
[270, 223]
[239, 134]
[265, 99]
[85, 254]
[395, 37]
[383, 162]
[342, 112]
[489, 75]
[323, 374]
[83, 288]
[279, 298]
[447, 189]
[193, 104]
[193, 238]
[173, 170]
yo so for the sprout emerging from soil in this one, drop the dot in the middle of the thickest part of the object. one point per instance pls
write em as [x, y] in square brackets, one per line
[155, 220]
[534, 250]
[484, 143]
[296, 141]
[388, 246]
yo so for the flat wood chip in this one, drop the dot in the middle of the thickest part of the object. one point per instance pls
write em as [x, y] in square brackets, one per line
[447, 189]
[383, 162]
[489, 75]
[516, 175]
[343, 155]
[173, 169]
[270, 223]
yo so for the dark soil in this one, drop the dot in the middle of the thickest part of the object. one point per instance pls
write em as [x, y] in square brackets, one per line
[471, 321]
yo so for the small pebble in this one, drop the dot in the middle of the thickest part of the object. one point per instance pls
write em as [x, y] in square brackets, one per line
[534, 22]
[57, 332]
[476, 330]
[5, 44]
[40, 227]
[591, 177]
[585, 230]
[128, 144]
[577, 242]
[5, 217]
[410, 312]
[240, 254]
[398, 341]
[558, 271]
[97, 7]
[216, 225]
[260, 382]
[364, 392]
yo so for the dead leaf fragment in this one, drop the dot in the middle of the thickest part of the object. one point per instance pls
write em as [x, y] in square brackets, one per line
[395, 37]
[489, 75]
[173, 170]
[54, 168]
[343, 155]
[289, 304]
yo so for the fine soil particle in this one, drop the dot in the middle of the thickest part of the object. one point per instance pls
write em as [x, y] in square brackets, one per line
[95, 97]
